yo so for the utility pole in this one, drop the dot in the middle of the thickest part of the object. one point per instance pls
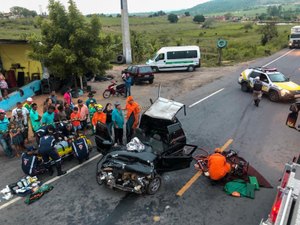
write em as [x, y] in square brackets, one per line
[126, 32]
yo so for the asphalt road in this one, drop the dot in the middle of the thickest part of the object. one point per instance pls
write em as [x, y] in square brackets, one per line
[259, 134]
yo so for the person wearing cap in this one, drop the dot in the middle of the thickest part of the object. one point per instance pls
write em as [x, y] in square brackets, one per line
[25, 112]
[47, 150]
[28, 104]
[4, 135]
[99, 116]
[84, 113]
[35, 118]
[88, 101]
[132, 116]
[218, 167]
[118, 123]
[48, 116]
[31, 165]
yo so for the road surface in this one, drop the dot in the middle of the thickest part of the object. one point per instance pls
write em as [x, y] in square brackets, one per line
[259, 135]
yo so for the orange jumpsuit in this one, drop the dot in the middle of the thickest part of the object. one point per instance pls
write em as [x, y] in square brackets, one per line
[99, 117]
[133, 108]
[218, 167]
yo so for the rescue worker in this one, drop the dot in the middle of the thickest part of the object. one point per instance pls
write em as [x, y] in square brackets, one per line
[257, 90]
[99, 116]
[133, 113]
[67, 131]
[218, 167]
[47, 150]
[31, 165]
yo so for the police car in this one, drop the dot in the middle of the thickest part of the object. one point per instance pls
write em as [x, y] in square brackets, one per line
[276, 85]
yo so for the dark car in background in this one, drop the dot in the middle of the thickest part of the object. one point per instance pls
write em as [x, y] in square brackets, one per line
[140, 73]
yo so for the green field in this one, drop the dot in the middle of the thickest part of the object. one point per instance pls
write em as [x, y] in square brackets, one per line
[154, 33]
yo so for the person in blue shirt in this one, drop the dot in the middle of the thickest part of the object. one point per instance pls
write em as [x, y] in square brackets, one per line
[48, 117]
[4, 135]
[128, 83]
[118, 121]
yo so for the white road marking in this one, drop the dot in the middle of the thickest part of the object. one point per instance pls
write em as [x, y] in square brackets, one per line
[51, 180]
[203, 99]
[279, 58]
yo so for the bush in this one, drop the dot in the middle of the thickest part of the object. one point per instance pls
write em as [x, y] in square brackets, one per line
[173, 18]
[199, 19]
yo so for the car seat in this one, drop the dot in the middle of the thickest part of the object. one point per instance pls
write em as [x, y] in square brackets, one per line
[156, 143]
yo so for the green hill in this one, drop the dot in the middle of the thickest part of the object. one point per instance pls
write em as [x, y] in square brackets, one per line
[223, 6]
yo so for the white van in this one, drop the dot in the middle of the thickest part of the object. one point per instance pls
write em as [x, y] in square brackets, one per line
[176, 58]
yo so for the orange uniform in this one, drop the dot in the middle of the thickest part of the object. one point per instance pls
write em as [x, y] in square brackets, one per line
[218, 167]
[134, 108]
[99, 117]
[75, 118]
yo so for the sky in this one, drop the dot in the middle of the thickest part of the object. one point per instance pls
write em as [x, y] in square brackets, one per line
[105, 6]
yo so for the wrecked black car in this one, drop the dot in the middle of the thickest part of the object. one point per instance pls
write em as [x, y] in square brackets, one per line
[165, 149]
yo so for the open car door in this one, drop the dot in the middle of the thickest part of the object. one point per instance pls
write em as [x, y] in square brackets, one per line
[103, 139]
[177, 160]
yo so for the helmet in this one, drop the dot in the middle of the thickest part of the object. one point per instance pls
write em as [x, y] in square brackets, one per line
[256, 78]
[29, 99]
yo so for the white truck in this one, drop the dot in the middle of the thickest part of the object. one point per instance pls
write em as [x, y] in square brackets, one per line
[176, 58]
[286, 207]
[294, 37]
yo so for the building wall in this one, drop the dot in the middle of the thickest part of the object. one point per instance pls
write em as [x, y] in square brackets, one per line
[17, 53]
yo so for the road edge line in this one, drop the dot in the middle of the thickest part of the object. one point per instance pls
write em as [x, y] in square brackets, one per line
[52, 180]
[279, 58]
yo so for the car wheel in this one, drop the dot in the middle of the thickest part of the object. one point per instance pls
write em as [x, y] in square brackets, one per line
[274, 96]
[98, 178]
[154, 185]
[151, 81]
[155, 69]
[106, 94]
[190, 68]
[244, 87]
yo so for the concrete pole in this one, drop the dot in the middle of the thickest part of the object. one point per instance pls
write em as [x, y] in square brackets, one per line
[126, 32]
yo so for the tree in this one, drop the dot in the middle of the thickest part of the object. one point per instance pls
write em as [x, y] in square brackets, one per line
[173, 18]
[69, 45]
[20, 11]
[199, 19]
[268, 32]
[187, 14]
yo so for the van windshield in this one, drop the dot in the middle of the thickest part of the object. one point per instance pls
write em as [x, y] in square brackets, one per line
[154, 57]
[295, 35]
[278, 77]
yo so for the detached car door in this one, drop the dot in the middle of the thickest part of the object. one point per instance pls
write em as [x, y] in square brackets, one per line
[103, 139]
[178, 155]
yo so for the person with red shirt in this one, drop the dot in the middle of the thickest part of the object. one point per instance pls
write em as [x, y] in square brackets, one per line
[75, 118]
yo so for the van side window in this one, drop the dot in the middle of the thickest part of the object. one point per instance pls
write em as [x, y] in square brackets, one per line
[264, 78]
[160, 57]
[182, 54]
[255, 74]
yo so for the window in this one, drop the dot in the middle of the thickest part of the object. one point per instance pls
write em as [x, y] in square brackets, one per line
[264, 78]
[255, 74]
[145, 69]
[278, 77]
[295, 35]
[182, 54]
[160, 57]
[134, 69]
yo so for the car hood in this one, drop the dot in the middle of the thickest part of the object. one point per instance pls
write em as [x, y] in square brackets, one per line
[164, 108]
[290, 86]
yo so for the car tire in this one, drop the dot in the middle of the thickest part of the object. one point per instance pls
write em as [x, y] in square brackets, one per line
[154, 185]
[244, 87]
[155, 69]
[106, 94]
[274, 96]
[190, 68]
[151, 81]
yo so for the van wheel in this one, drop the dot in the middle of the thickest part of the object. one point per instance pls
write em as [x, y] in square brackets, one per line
[155, 69]
[244, 87]
[274, 96]
[190, 68]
